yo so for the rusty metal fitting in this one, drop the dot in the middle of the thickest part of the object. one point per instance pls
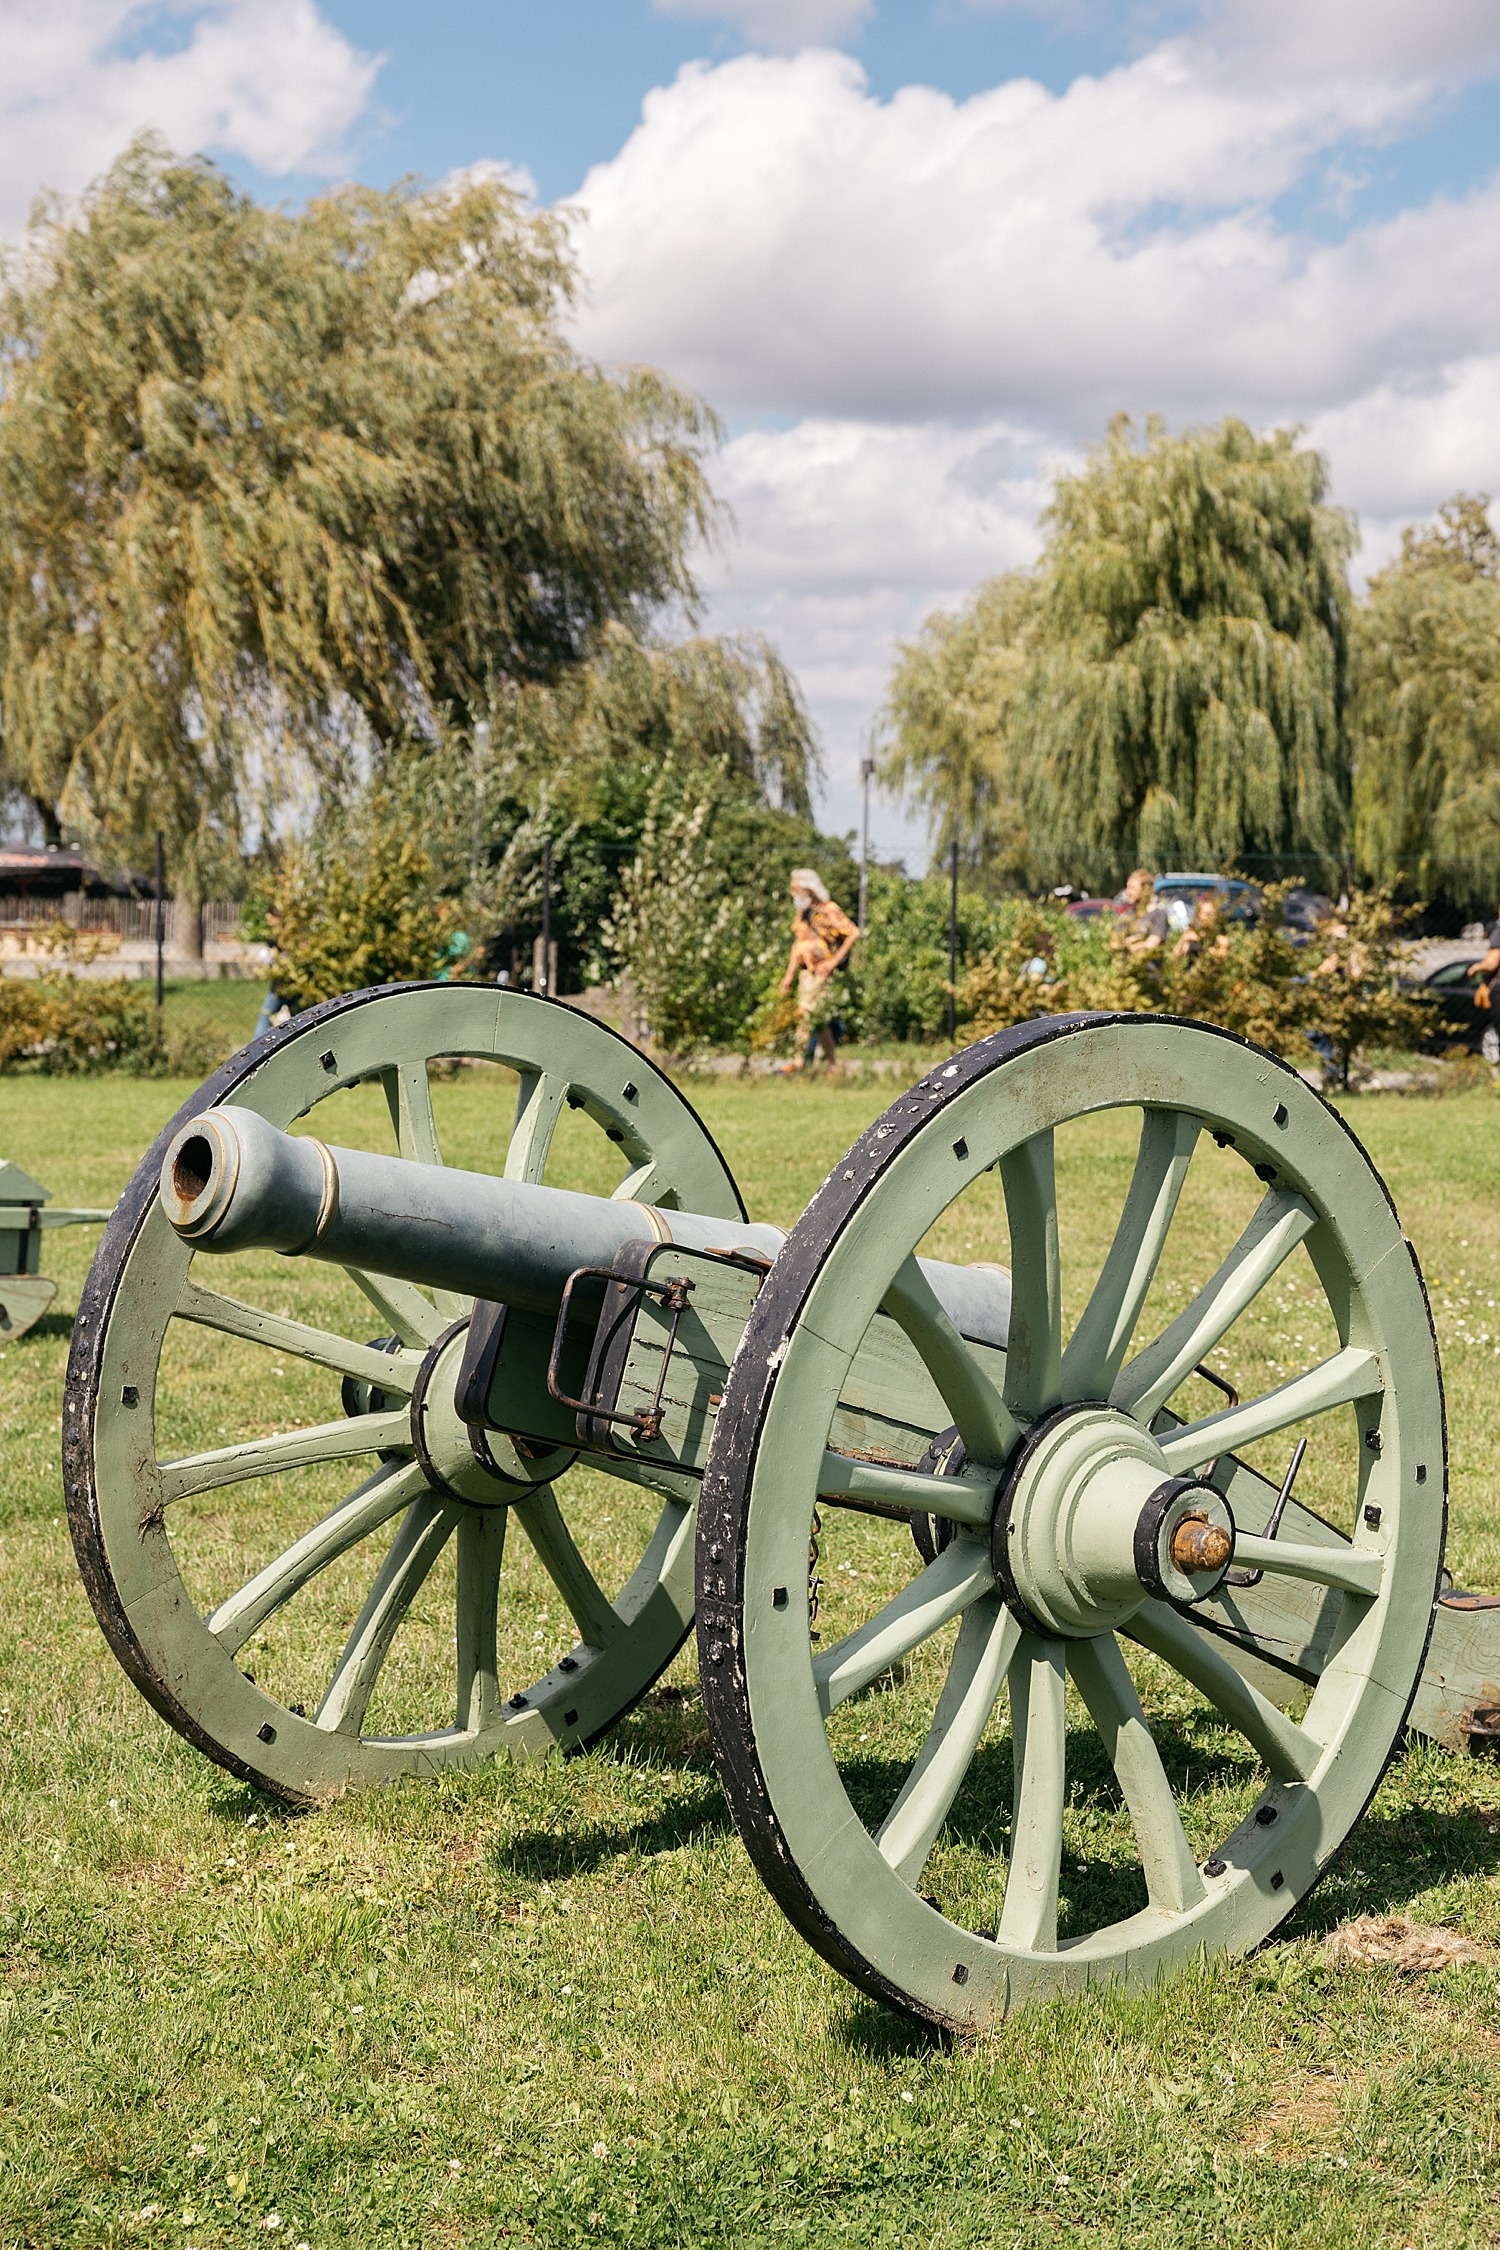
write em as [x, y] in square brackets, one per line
[1198, 1545]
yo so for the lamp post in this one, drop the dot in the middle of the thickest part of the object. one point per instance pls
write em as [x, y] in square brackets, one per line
[546, 976]
[160, 921]
[952, 937]
[866, 775]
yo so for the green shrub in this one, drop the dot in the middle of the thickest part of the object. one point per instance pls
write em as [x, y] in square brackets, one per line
[1320, 1002]
[60, 1024]
[693, 937]
[899, 973]
[355, 906]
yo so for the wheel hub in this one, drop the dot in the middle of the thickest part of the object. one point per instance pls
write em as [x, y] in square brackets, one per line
[483, 1467]
[1090, 1522]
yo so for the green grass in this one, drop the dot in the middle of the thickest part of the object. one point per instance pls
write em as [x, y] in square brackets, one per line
[223, 1007]
[554, 2005]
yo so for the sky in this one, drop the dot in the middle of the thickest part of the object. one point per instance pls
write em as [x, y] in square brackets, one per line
[915, 252]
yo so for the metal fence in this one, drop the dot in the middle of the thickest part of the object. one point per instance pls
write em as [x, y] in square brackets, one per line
[125, 918]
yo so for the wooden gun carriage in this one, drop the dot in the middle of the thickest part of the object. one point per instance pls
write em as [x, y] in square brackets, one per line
[1078, 1522]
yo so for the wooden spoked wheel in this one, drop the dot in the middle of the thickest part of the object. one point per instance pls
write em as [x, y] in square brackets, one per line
[1067, 1620]
[406, 1486]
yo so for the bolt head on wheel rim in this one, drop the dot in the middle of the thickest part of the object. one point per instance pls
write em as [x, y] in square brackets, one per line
[1093, 1517]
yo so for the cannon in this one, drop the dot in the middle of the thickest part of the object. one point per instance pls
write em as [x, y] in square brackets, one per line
[1069, 1467]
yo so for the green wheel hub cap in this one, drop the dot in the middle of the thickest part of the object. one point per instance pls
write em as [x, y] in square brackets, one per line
[1087, 1488]
[416, 1487]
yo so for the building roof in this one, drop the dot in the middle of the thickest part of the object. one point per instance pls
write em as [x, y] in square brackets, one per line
[45, 868]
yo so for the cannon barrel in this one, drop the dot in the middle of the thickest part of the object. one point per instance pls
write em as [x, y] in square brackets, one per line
[233, 1181]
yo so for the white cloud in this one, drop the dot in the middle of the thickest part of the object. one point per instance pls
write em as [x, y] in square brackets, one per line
[931, 301]
[267, 80]
[1396, 451]
[838, 507]
[1438, 39]
[848, 534]
[786, 242]
[778, 23]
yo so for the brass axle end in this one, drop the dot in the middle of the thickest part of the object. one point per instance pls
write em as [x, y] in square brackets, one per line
[1198, 1545]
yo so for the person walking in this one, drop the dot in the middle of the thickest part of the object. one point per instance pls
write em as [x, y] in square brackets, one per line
[1487, 995]
[823, 938]
[1148, 920]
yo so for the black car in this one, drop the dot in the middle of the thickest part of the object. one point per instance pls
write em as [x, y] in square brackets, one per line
[1448, 990]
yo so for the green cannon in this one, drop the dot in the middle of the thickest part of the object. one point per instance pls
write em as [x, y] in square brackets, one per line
[1078, 1529]
[25, 1291]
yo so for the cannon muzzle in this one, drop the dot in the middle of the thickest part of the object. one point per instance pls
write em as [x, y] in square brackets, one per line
[233, 1181]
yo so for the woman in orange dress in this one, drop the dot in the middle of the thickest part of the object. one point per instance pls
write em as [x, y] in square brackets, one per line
[822, 940]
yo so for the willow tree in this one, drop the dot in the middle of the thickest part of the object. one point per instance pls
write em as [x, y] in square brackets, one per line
[1426, 713]
[947, 725]
[1184, 699]
[577, 767]
[271, 482]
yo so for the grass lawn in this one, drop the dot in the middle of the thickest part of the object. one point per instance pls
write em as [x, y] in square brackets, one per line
[553, 2004]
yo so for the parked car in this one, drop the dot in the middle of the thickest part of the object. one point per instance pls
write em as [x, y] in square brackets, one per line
[1180, 895]
[1448, 990]
[1088, 909]
[1301, 913]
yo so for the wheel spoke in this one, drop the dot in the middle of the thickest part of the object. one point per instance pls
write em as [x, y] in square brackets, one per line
[960, 1575]
[966, 1498]
[986, 1643]
[1267, 1242]
[1039, 1738]
[393, 1486]
[481, 1548]
[641, 1184]
[408, 1095]
[982, 1419]
[344, 1440]
[1033, 1361]
[279, 1334]
[599, 1622]
[1289, 1751]
[415, 1318]
[1348, 1375]
[1353, 1570]
[1097, 1347]
[414, 1550]
[539, 1100]
[1173, 1882]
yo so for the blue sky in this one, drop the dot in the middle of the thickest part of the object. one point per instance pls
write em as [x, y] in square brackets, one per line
[915, 251]
[557, 88]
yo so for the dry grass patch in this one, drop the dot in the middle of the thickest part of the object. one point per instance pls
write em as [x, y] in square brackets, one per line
[1305, 2114]
[1393, 1941]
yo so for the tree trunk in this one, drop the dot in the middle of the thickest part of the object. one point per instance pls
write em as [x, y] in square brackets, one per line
[51, 826]
[187, 927]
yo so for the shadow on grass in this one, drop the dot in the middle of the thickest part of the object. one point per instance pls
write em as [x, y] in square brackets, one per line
[882, 2035]
[666, 1728]
[1391, 1858]
[50, 1328]
[550, 1854]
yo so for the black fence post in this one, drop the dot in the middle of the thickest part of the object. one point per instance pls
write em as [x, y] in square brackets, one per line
[160, 922]
[547, 915]
[953, 942]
